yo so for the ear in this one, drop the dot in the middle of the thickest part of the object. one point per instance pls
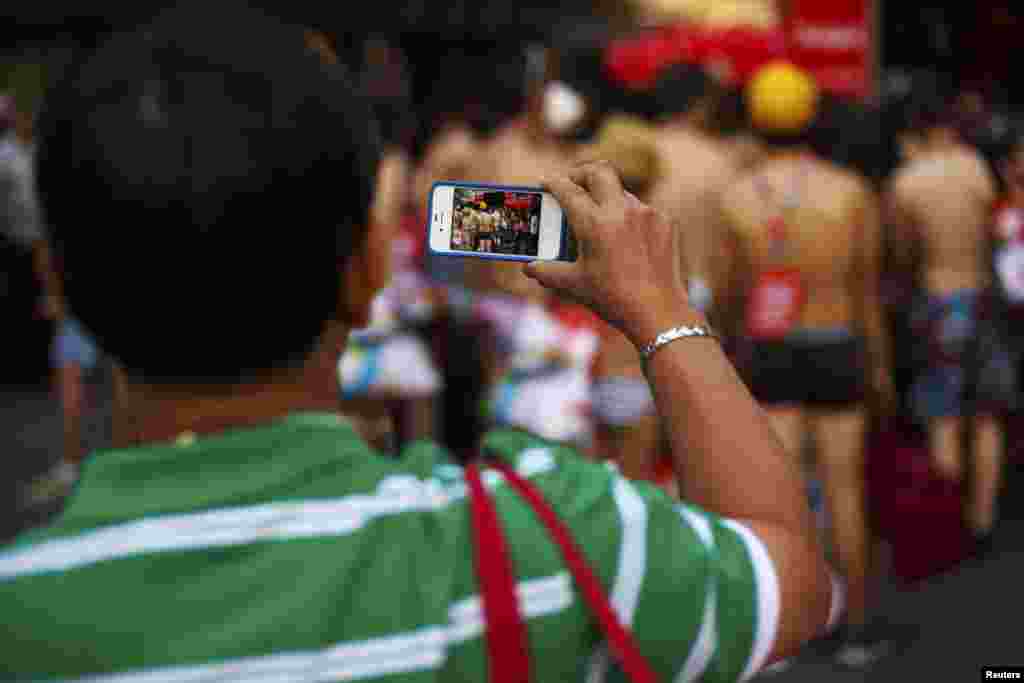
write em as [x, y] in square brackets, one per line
[369, 268]
[368, 271]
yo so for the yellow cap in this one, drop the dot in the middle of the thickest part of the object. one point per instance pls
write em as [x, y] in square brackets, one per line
[782, 98]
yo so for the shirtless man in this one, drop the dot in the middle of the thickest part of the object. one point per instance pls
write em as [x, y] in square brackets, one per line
[801, 280]
[626, 423]
[539, 360]
[521, 151]
[941, 202]
[75, 358]
[486, 232]
[694, 169]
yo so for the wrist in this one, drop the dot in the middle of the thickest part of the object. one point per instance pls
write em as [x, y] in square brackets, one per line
[653, 320]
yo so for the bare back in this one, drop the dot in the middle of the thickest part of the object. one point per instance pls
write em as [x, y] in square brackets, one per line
[512, 157]
[694, 170]
[944, 200]
[822, 232]
[448, 157]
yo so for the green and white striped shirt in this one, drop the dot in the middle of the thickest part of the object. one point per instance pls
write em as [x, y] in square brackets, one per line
[293, 553]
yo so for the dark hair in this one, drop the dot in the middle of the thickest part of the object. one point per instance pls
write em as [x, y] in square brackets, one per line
[204, 181]
[848, 132]
[784, 140]
[681, 87]
[730, 116]
[929, 102]
[997, 142]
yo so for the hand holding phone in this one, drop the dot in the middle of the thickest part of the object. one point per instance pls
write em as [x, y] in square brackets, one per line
[502, 222]
[629, 266]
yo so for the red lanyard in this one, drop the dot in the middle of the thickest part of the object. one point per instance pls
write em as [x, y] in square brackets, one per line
[508, 655]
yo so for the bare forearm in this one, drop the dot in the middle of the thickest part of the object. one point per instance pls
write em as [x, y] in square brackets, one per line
[726, 453]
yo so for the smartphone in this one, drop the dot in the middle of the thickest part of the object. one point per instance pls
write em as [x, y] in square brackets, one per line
[503, 222]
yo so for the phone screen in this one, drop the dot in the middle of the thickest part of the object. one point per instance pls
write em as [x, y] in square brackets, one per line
[496, 222]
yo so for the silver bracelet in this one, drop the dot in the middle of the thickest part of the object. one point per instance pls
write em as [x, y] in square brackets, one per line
[681, 332]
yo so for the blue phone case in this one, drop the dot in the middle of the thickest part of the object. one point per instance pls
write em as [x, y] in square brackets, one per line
[565, 253]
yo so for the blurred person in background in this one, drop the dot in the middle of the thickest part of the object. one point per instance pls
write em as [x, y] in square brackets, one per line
[538, 350]
[627, 429]
[73, 354]
[386, 374]
[232, 479]
[939, 205]
[800, 285]
[695, 168]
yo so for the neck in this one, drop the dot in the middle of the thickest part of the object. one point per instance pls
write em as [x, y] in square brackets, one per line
[942, 138]
[680, 123]
[148, 414]
[793, 152]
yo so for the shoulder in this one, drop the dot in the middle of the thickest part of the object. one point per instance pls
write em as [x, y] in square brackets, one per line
[855, 187]
[904, 180]
[982, 172]
[735, 194]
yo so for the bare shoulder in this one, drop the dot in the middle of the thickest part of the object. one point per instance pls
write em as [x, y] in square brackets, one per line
[978, 168]
[903, 181]
[856, 186]
[735, 198]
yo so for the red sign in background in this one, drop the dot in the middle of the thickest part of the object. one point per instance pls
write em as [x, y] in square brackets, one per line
[834, 39]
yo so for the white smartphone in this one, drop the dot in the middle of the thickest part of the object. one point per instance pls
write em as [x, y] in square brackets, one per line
[503, 222]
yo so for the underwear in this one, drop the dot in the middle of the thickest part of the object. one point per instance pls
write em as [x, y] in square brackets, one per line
[822, 367]
[72, 345]
[967, 364]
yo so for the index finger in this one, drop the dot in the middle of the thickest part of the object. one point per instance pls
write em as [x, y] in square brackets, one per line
[601, 180]
[573, 198]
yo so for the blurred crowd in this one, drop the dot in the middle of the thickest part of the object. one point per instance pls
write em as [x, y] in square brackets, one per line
[861, 256]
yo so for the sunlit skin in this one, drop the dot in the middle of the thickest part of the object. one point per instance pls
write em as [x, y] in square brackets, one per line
[833, 242]
[939, 206]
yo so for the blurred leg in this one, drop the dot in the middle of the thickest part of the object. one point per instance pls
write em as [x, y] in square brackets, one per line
[986, 469]
[944, 445]
[70, 388]
[789, 422]
[840, 439]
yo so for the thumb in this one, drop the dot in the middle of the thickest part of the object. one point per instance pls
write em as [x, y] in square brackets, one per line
[560, 277]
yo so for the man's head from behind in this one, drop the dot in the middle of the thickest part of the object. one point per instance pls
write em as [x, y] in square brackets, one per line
[685, 90]
[207, 198]
[919, 110]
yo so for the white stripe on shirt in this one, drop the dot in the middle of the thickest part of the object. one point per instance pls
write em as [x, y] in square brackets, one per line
[419, 650]
[629, 579]
[225, 527]
[769, 599]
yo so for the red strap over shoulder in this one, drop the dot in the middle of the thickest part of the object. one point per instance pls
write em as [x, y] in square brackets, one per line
[622, 643]
[507, 654]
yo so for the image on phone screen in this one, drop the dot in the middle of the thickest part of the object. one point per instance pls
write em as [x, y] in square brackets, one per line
[495, 222]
